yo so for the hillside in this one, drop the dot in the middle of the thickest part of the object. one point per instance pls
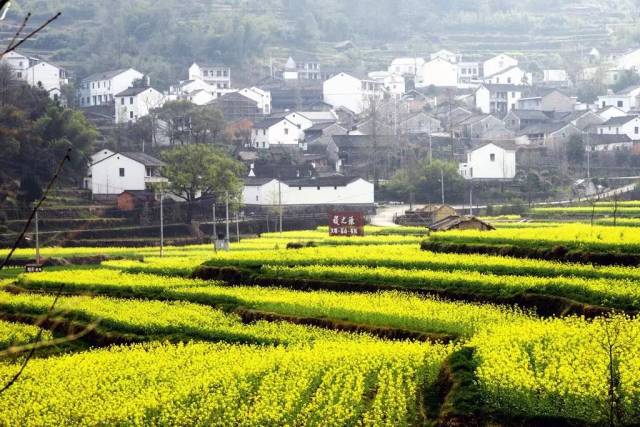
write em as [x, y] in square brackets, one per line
[163, 37]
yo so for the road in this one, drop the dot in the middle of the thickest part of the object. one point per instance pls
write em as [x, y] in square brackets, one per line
[385, 214]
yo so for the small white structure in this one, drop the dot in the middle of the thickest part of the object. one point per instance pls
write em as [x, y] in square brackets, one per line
[498, 64]
[629, 61]
[625, 125]
[438, 72]
[626, 99]
[111, 173]
[218, 76]
[18, 63]
[261, 97]
[393, 83]
[136, 102]
[468, 72]
[490, 161]
[101, 88]
[332, 190]
[555, 77]
[345, 90]
[512, 75]
[497, 98]
[276, 131]
[406, 66]
[302, 69]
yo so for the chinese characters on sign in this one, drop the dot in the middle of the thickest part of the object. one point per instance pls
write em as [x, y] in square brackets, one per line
[346, 224]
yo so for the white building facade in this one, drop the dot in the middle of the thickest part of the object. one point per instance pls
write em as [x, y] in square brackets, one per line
[319, 191]
[490, 161]
[278, 131]
[134, 103]
[625, 125]
[497, 64]
[438, 72]
[219, 76]
[101, 88]
[111, 173]
[344, 90]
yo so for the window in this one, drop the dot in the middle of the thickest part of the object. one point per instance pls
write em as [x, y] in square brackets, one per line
[318, 187]
[19, 75]
[257, 198]
[122, 172]
[300, 188]
[604, 104]
[620, 103]
[492, 157]
[286, 131]
[131, 100]
[264, 131]
[636, 130]
[148, 171]
[131, 114]
[509, 80]
[121, 101]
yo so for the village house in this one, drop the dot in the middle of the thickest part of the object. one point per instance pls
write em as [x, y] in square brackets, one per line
[393, 83]
[218, 76]
[520, 119]
[552, 133]
[512, 75]
[555, 78]
[136, 102]
[345, 90]
[484, 126]
[447, 55]
[468, 72]
[626, 100]
[498, 98]
[331, 190]
[490, 161]
[420, 123]
[302, 69]
[323, 129]
[547, 100]
[608, 142]
[409, 67]
[37, 73]
[625, 125]
[235, 106]
[498, 64]
[607, 113]
[585, 120]
[130, 200]
[110, 173]
[101, 88]
[438, 72]
[276, 131]
[261, 97]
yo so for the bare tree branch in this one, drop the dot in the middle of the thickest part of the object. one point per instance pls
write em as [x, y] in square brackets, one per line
[13, 47]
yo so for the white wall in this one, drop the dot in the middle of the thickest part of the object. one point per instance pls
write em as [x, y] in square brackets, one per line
[107, 89]
[480, 166]
[106, 179]
[630, 61]
[497, 64]
[514, 76]
[299, 120]
[623, 102]
[610, 113]
[343, 90]
[483, 100]
[631, 129]
[357, 192]
[281, 133]
[45, 74]
[406, 66]
[439, 72]
[261, 97]
[139, 105]
[18, 63]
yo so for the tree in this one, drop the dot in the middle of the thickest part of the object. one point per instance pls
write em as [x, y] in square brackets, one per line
[207, 125]
[201, 171]
[177, 116]
[576, 150]
[427, 184]
[626, 79]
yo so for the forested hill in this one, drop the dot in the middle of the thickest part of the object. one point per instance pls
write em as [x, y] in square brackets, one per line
[163, 36]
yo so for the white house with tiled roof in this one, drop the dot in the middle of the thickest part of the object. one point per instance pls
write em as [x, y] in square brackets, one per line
[101, 88]
[136, 102]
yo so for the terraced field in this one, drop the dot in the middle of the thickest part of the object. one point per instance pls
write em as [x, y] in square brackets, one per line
[302, 329]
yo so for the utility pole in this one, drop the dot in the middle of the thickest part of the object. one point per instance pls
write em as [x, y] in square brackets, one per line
[237, 228]
[214, 236]
[226, 239]
[280, 203]
[37, 239]
[471, 198]
[588, 158]
[161, 223]
[442, 184]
